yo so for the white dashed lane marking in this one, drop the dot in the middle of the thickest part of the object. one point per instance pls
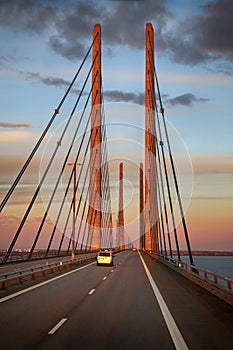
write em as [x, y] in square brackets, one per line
[58, 325]
[91, 291]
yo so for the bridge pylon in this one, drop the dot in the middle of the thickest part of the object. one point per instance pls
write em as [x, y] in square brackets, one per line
[141, 207]
[95, 207]
[151, 206]
[121, 210]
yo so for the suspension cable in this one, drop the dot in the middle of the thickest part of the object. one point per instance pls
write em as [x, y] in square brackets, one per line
[56, 111]
[174, 176]
[173, 169]
[39, 186]
[78, 155]
[65, 160]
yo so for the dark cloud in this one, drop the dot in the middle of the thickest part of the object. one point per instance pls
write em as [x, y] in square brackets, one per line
[197, 39]
[65, 48]
[126, 23]
[184, 100]
[4, 59]
[27, 15]
[121, 96]
[202, 38]
[187, 99]
[13, 125]
[53, 81]
[122, 22]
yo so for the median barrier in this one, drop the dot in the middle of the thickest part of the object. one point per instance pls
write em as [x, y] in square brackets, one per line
[31, 273]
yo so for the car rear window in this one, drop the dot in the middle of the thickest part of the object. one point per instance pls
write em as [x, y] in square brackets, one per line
[104, 254]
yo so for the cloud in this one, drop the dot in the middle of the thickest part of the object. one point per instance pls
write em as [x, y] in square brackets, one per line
[14, 125]
[184, 100]
[46, 80]
[6, 58]
[194, 40]
[187, 99]
[122, 22]
[27, 15]
[199, 38]
[50, 81]
[217, 198]
[69, 26]
[126, 23]
[116, 96]
[212, 163]
[15, 136]
[8, 219]
[75, 26]
[109, 95]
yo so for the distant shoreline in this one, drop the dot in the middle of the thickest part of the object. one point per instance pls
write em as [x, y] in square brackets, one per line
[205, 253]
[174, 252]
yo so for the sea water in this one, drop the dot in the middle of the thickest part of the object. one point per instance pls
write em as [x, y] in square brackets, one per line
[221, 265]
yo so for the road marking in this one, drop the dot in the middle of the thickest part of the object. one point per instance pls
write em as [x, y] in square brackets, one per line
[112, 270]
[176, 336]
[8, 297]
[58, 325]
[91, 292]
[104, 278]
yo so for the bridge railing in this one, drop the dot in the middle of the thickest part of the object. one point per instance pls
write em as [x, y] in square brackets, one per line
[226, 282]
[31, 273]
[211, 281]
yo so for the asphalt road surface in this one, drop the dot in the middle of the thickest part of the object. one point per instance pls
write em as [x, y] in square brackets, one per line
[136, 304]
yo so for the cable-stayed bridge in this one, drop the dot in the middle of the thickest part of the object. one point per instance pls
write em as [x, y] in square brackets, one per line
[147, 299]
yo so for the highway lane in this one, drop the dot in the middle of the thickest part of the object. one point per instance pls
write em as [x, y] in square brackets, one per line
[205, 320]
[121, 313]
[118, 313]
[113, 308]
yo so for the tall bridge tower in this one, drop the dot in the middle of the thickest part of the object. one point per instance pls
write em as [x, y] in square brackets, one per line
[141, 207]
[151, 207]
[95, 210]
[121, 210]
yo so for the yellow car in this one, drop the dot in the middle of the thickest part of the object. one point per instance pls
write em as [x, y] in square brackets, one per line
[105, 257]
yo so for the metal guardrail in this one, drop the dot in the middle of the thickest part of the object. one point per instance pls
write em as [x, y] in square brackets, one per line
[31, 273]
[226, 282]
[213, 282]
[23, 256]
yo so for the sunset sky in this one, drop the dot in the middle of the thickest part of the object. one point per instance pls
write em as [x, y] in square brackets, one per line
[42, 45]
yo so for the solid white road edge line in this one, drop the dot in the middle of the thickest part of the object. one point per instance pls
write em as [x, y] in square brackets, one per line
[8, 297]
[58, 325]
[176, 336]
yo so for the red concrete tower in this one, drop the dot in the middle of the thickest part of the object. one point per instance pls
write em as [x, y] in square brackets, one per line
[141, 207]
[121, 210]
[95, 214]
[151, 212]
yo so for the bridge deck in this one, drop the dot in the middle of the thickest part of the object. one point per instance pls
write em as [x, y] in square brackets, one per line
[115, 308]
[204, 320]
